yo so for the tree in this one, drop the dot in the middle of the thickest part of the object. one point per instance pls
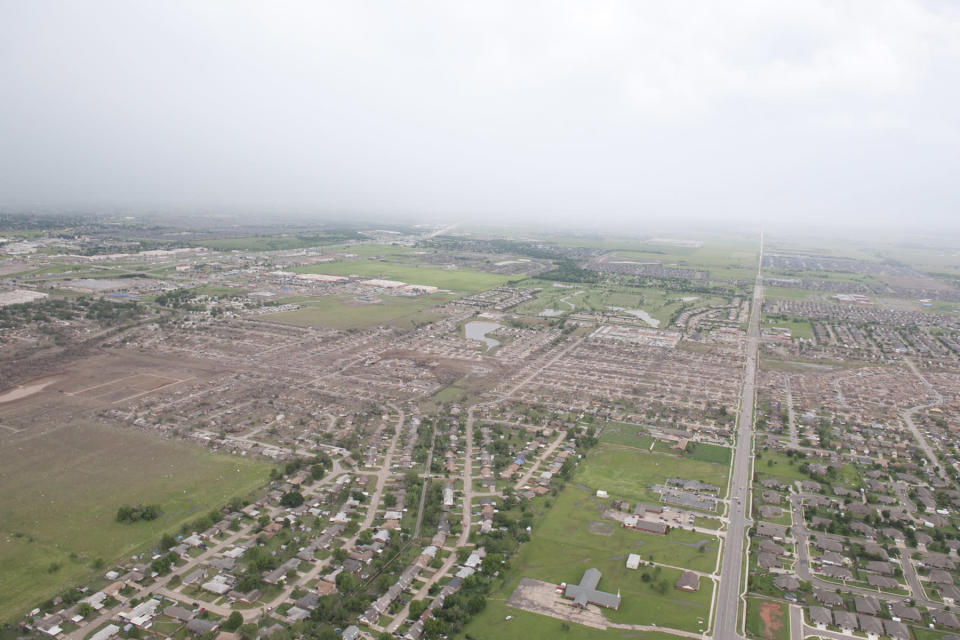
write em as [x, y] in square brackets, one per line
[292, 499]
[346, 582]
[233, 622]
[248, 583]
[417, 607]
[433, 628]
[167, 541]
[248, 631]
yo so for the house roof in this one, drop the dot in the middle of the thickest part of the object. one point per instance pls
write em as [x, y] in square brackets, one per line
[821, 615]
[870, 624]
[688, 581]
[845, 619]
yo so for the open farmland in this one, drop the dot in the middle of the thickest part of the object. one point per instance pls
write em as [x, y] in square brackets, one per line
[453, 279]
[734, 261]
[340, 312]
[62, 490]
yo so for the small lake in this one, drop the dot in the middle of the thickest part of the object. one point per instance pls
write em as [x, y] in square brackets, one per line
[639, 313]
[478, 330]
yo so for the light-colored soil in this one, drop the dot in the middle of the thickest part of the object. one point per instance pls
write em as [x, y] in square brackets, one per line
[542, 597]
[772, 616]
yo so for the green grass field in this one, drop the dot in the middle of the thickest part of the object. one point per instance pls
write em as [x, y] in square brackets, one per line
[626, 472]
[61, 492]
[274, 243]
[659, 303]
[727, 262]
[799, 327]
[564, 545]
[342, 312]
[787, 293]
[462, 280]
[625, 433]
[775, 465]
[492, 624]
[705, 452]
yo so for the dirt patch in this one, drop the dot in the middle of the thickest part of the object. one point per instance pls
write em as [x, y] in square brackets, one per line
[600, 528]
[772, 616]
[916, 282]
[24, 390]
[542, 597]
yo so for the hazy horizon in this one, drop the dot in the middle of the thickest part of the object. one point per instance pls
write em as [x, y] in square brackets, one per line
[598, 114]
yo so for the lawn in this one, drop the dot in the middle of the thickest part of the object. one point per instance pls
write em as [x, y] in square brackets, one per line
[626, 433]
[799, 327]
[61, 492]
[627, 472]
[570, 523]
[492, 624]
[706, 452]
[564, 544]
[463, 280]
[775, 465]
[342, 312]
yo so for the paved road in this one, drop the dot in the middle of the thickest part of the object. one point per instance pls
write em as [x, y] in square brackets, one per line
[731, 573]
[382, 475]
[543, 459]
[467, 480]
[908, 418]
[791, 417]
[802, 567]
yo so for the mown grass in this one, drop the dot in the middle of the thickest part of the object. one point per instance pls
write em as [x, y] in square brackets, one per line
[706, 452]
[493, 624]
[799, 327]
[775, 465]
[563, 546]
[625, 433]
[627, 472]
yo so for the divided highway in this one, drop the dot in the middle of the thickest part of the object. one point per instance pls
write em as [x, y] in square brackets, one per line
[731, 572]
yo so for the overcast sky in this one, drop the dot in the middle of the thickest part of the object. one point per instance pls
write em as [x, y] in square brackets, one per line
[581, 110]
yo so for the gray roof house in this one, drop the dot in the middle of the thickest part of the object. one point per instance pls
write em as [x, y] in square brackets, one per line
[587, 593]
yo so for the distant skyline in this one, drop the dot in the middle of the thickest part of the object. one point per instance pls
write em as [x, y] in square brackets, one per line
[589, 113]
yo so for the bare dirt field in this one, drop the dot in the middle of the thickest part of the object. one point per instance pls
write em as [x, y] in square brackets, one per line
[542, 597]
[772, 616]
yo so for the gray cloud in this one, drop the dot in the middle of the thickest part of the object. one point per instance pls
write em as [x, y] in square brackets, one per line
[586, 110]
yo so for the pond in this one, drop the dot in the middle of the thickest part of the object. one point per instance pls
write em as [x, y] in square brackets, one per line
[478, 330]
[639, 313]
